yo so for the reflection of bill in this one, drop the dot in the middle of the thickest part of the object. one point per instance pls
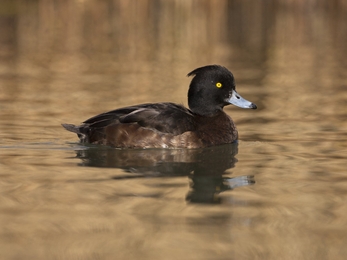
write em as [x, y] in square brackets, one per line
[206, 189]
[204, 167]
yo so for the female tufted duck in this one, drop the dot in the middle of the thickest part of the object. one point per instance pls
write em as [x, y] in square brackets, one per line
[168, 125]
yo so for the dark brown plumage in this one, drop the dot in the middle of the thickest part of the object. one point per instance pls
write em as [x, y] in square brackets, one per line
[168, 125]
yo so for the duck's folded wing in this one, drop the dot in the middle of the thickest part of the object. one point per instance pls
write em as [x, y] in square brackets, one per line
[163, 117]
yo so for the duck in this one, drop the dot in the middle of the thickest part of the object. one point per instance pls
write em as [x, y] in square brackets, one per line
[170, 125]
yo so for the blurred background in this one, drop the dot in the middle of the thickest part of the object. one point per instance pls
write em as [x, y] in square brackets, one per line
[65, 61]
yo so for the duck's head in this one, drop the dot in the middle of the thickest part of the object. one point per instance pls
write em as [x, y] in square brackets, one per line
[212, 88]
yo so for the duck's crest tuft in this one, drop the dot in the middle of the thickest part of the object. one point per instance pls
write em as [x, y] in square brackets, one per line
[206, 68]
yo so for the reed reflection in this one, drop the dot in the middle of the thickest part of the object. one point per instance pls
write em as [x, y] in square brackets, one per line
[205, 168]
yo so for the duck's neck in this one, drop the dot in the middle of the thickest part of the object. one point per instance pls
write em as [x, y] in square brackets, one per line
[219, 129]
[205, 110]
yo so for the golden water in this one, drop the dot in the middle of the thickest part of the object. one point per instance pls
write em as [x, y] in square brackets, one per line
[280, 194]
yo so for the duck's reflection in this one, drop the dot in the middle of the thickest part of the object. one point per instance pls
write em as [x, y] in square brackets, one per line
[204, 167]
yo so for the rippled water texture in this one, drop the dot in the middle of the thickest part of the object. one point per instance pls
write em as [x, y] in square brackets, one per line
[280, 193]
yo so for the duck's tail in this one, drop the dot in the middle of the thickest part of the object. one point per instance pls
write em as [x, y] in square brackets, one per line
[86, 134]
[72, 128]
[77, 130]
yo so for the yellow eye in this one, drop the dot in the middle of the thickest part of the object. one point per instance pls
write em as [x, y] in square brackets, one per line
[218, 85]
